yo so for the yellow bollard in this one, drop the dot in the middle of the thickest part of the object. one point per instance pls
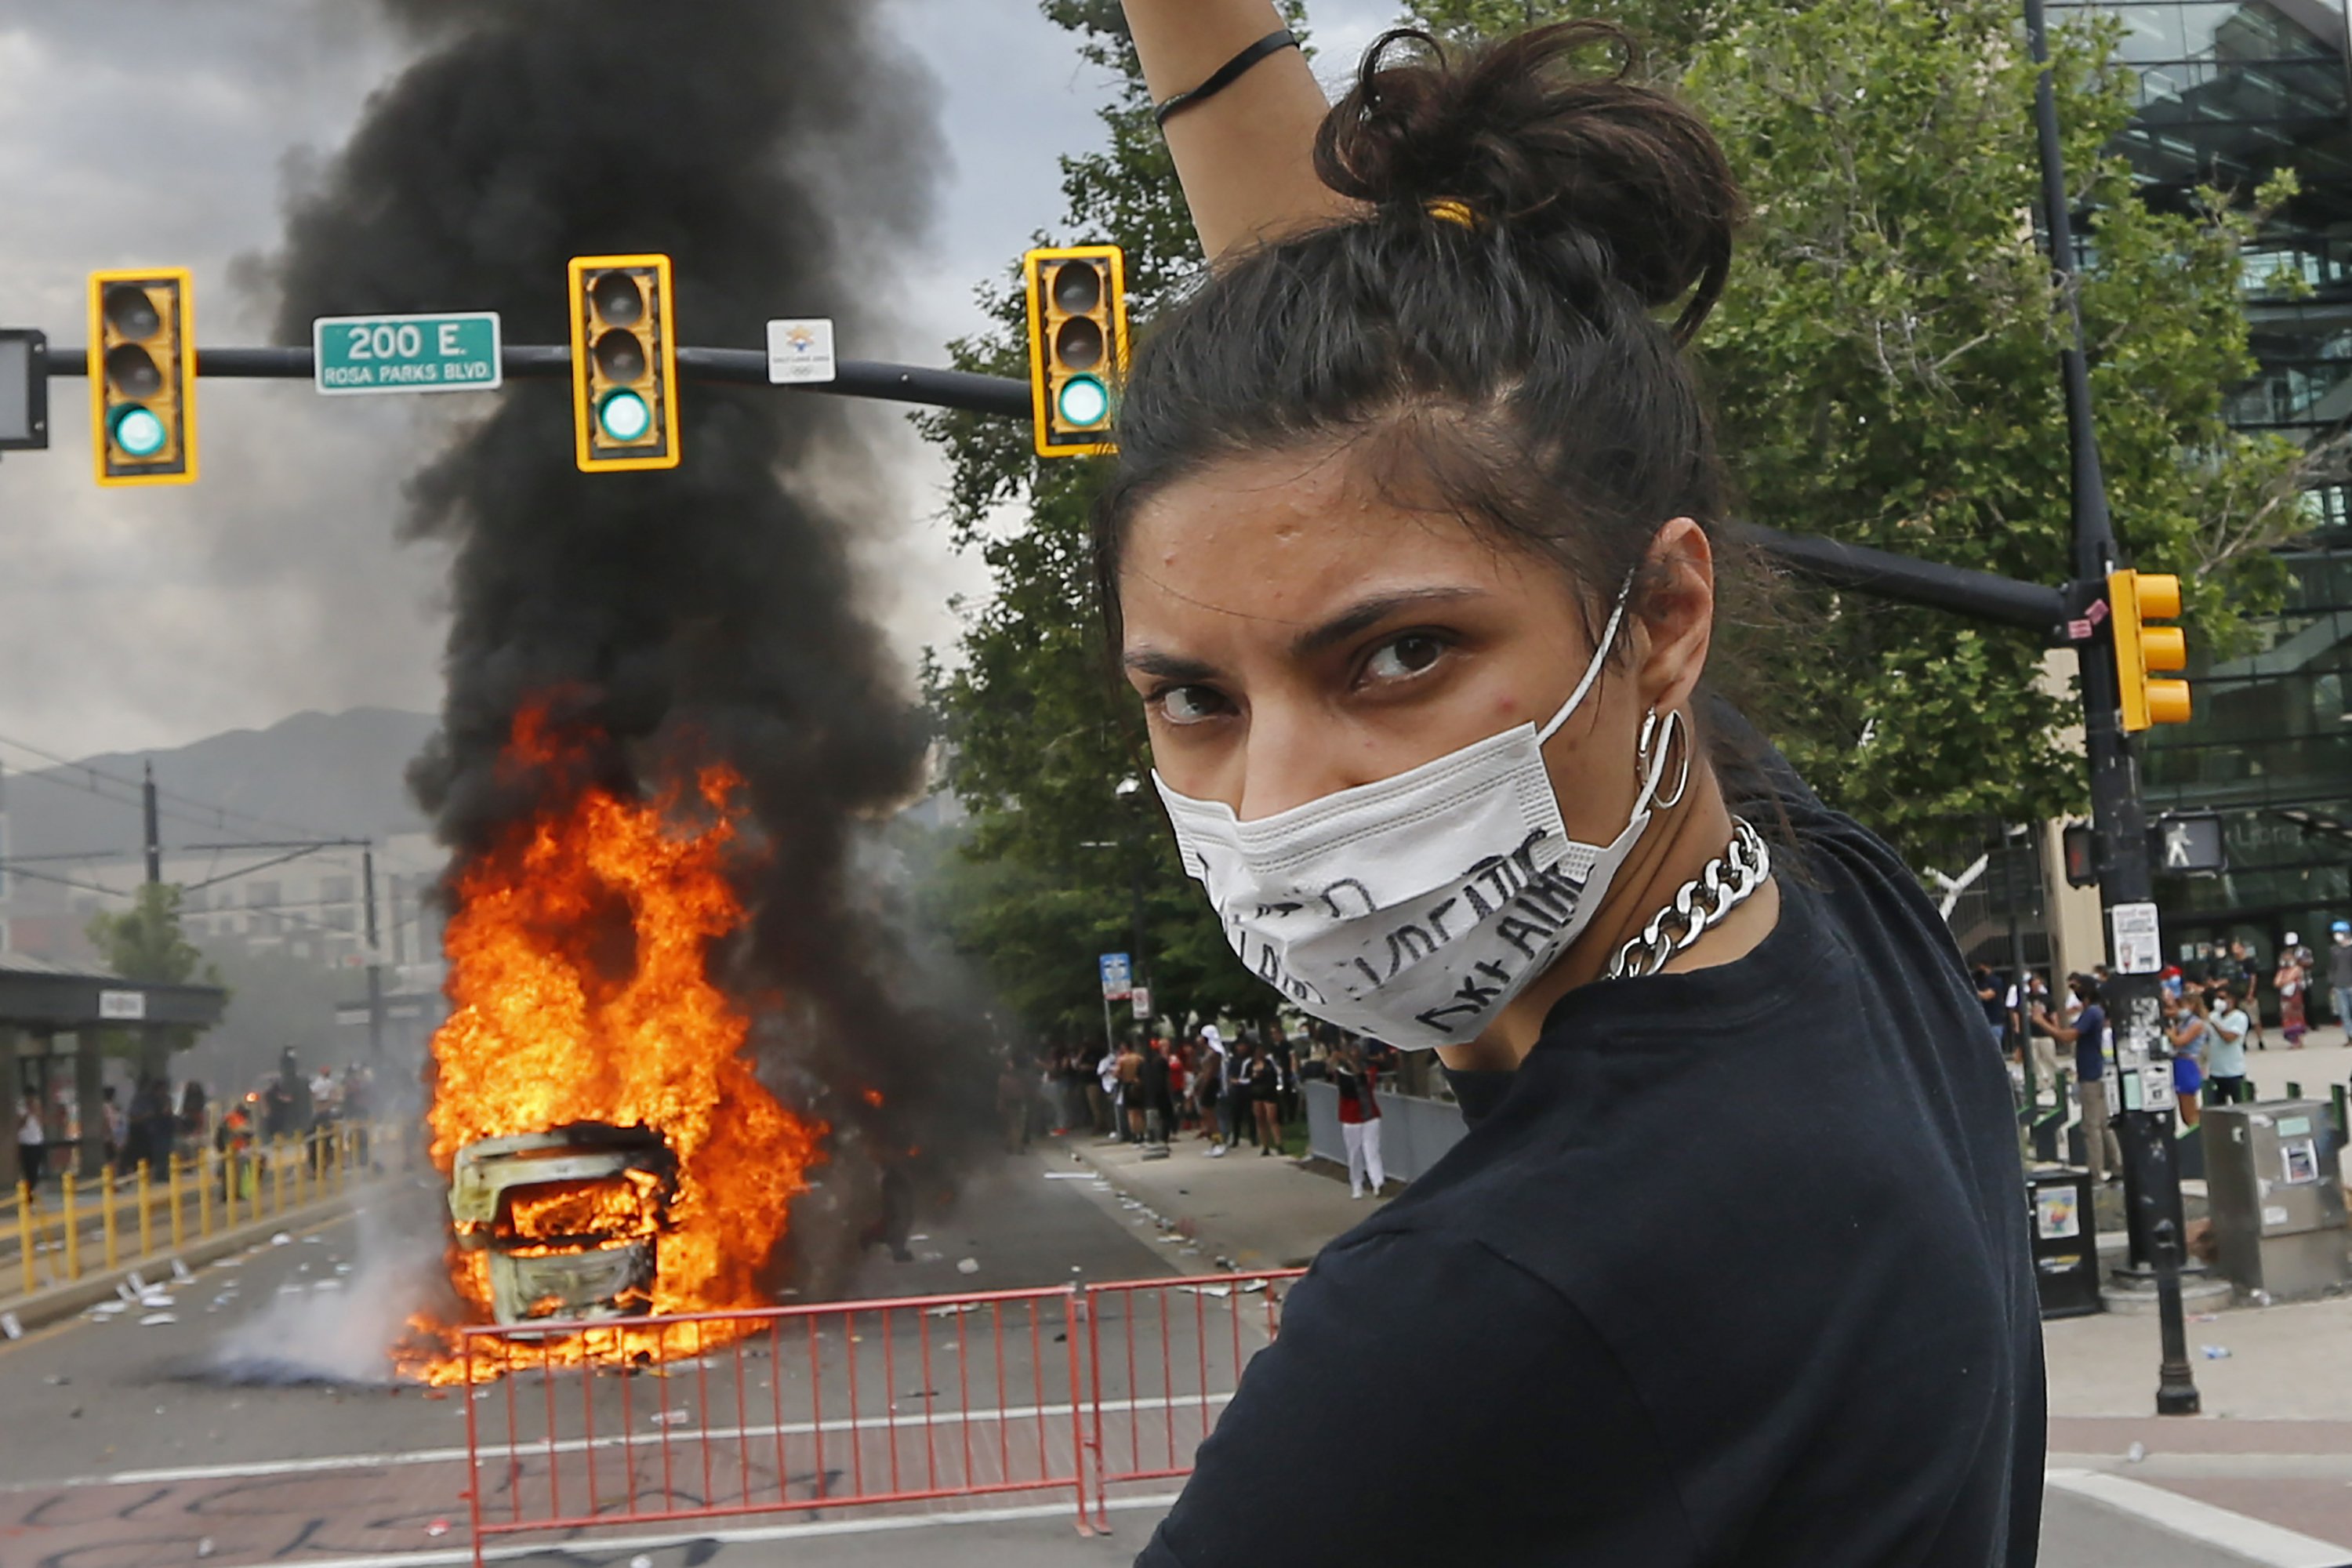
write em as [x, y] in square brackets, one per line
[228, 1189]
[204, 1165]
[25, 1232]
[146, 1215]
[106, 1212]
[277, 1174]
[73, 1229]
[171, 1186]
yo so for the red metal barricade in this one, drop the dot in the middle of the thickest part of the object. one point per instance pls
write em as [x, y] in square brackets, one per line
[776, 1409]
[1163, 1358]
[904, 1402]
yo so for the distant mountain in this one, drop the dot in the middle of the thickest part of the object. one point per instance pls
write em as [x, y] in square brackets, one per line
[314, 775]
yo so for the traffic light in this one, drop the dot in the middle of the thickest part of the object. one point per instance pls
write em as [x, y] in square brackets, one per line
[1077, 345]
[2082, 853]
[142, 376]
[2134, 597]
[623, 363]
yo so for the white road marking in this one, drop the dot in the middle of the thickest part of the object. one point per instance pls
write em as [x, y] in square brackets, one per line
[527, 1449]
[740, 1536]
[2255, 1540]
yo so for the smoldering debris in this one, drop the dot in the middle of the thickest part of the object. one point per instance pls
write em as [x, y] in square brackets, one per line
[336, 1317]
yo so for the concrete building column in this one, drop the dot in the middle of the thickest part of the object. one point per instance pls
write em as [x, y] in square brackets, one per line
[90, 1080]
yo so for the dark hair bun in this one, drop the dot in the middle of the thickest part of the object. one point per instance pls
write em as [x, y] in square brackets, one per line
[1592, 168]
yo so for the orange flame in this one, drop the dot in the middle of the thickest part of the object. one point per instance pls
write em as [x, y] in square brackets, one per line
[578, 992]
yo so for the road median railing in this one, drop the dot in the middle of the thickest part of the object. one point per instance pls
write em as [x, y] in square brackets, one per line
[910, 1401]
[89, 1228]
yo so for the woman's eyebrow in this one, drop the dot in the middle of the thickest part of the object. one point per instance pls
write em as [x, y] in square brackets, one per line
[1166, 665]
[1367, 612]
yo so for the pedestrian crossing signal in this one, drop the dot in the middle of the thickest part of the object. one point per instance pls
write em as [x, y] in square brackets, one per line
[623, 363]
[142, 377]
[2134, 597]
[1077, 345]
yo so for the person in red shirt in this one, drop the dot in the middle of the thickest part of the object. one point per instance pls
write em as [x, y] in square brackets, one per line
[1359, 1116]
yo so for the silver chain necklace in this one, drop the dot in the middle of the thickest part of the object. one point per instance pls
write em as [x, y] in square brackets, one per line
[1724, 884]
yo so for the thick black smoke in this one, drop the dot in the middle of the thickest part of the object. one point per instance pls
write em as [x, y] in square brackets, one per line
[773, 149]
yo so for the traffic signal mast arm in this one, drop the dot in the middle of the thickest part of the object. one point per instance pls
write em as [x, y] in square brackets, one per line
[743, 367]
[1986, 595]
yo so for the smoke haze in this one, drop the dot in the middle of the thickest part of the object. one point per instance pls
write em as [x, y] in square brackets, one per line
[775, 149]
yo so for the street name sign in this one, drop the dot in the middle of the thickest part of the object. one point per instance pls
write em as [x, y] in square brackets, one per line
[454, 353]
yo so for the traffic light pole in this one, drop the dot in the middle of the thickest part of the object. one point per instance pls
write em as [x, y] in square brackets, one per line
[743, 367]
[2139, 1082]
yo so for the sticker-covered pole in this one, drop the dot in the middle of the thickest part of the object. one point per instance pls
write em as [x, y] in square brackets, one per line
[2138, 1082]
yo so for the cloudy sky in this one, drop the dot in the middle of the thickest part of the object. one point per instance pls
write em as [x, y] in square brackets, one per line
[140, 132]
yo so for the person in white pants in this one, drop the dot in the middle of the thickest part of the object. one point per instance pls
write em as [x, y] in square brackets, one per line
[1360, 1117]
[1363, 1140]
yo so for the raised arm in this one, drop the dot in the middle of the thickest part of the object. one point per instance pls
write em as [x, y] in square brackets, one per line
[1246, 155]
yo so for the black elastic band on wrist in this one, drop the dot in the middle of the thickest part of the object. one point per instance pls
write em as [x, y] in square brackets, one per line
[1227, 74]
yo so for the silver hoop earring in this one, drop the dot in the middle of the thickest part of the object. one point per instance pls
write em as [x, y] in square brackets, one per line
[1675, 730]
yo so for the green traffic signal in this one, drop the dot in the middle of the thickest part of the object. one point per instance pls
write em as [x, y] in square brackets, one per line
[1085, 402]
[138, 432]
[623, 416]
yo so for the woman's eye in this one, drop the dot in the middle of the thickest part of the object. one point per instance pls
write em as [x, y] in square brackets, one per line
[1400, 657]
[1190, 704]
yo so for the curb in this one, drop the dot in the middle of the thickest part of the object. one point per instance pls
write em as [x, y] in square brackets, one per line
[60, 1301]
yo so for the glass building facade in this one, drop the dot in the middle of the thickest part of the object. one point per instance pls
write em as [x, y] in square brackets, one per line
[2227, 95]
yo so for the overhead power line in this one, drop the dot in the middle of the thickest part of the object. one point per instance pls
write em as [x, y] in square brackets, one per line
[215, 815]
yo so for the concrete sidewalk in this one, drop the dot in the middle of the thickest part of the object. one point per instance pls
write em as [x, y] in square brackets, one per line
[1257, 1211]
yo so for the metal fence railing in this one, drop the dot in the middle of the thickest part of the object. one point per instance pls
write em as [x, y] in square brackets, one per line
[902, 1402]
[145, 1215]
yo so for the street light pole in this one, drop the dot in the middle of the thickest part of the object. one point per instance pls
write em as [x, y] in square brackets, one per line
[374, 961]
[2142, 1075]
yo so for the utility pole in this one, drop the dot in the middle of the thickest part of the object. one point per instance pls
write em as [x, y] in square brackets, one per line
[154, 828]
[2141, 1080]
[374, 959]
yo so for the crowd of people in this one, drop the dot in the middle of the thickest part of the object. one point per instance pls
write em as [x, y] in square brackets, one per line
[1155, 1091]
[2212, 1016]
[157, 1123]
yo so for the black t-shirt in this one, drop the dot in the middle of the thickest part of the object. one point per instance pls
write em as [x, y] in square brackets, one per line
[1995, 1011]
[1734, 1271]
[2091, 1043]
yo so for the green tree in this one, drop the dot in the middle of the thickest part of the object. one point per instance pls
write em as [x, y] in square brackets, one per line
[1040, 733]
[144, 942]
[1885, 367]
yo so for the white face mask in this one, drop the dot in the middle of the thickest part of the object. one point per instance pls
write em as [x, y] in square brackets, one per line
[1415, 908]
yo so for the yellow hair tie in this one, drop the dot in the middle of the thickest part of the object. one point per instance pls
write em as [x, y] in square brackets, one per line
[1445, 209]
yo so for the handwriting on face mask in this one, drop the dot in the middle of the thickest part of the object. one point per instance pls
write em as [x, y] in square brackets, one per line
[1526, 903]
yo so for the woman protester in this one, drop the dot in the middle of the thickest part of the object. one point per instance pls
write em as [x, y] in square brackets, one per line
[1266, 1099]
[2292, 981]
[2191, 1037]
[1411, 555]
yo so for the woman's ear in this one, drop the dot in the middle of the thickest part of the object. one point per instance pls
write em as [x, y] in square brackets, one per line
[1676, 606]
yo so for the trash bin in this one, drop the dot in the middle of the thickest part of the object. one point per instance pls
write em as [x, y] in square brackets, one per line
[2274, 1187]
[2065, 1239]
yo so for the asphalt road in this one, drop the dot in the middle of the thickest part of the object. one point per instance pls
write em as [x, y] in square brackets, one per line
[133, 1443]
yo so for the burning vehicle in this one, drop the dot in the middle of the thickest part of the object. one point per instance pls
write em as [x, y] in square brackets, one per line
[571, 1219]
